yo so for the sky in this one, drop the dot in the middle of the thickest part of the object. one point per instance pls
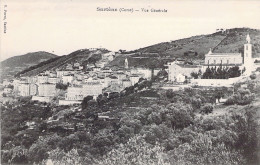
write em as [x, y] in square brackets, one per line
[63, 26]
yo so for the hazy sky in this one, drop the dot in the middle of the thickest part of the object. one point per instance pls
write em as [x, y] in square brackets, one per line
[63, 26]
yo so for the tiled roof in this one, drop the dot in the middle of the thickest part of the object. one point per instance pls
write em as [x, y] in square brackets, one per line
[221, 54]
[222, 64]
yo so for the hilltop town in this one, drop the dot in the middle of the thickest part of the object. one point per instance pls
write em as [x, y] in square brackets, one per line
[71, 82]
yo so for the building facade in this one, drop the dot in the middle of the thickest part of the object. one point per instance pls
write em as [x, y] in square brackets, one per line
[177, 70]
[47, 89]
[231, 59]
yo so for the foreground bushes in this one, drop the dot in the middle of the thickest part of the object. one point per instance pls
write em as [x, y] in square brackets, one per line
[242, 97]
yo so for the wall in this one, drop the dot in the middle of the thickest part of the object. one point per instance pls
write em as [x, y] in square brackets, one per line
[41, 99]
[68, 102]
[216, 82]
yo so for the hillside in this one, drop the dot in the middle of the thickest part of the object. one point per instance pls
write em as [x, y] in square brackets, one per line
[15, 64]
[194, 48]
[81, 56]
[190, 49]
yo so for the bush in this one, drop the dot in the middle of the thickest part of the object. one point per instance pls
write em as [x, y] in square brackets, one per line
[230, 101]
[208, 108]
[62, 86]
[169, 94]
[253, 76]
[242, 97]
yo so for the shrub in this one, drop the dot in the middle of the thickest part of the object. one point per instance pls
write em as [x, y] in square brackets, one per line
[62, 86]
[208, 108]
[253, 76]
[169, 94]
[230, 101]
[242, 97]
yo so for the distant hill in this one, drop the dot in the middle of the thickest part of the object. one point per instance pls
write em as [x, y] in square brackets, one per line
[16, 64]
[82, 56]
[193, 48]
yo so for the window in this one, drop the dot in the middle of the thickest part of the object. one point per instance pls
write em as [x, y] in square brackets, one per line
[214, 61]
[227, 61]
[246, 47]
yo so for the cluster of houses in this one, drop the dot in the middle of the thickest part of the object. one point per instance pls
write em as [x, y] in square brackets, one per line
[98, 79]
[79, 82]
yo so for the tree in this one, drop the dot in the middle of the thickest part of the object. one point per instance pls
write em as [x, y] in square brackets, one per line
[221, 73]
[178, 116]
[234, 72]
[169, 94]
[195, 75]
[135, 151]
[10, 86]
[241, 97]
[208, 108]
[247, 129]
[16, 155]
[85, 101]
[58, 156]
[39, 150]
[218, 94]
[203, 151]
[62, 86]
[253, 76]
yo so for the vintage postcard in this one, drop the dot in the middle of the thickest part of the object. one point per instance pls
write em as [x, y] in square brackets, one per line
[147, 82]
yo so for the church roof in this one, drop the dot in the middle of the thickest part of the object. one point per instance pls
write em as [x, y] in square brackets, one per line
[222, 54]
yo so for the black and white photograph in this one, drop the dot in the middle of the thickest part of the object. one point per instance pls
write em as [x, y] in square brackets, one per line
[130, 82]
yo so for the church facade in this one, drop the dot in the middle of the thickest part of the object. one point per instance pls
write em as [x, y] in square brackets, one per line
[231, 59]
[215, 60]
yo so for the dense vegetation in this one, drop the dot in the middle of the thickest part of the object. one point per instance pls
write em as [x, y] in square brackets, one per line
[222, 73]
[141, 125]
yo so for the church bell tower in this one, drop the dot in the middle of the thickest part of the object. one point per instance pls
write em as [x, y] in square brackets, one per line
[126, 64]
[248, 62]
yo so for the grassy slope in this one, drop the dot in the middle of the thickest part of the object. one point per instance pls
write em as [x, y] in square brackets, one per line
[219, 42]
[77, 56]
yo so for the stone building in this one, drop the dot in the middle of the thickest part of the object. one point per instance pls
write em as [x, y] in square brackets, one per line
[231, 59]
[47, 89]
[26, 89]
[177, 69]
[74, 93]
[92, 89]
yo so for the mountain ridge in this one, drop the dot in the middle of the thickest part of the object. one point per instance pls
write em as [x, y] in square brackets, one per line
[192, 49]
[14, 64]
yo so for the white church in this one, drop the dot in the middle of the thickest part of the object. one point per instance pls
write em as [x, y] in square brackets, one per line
[226, 60]
[232, 59]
